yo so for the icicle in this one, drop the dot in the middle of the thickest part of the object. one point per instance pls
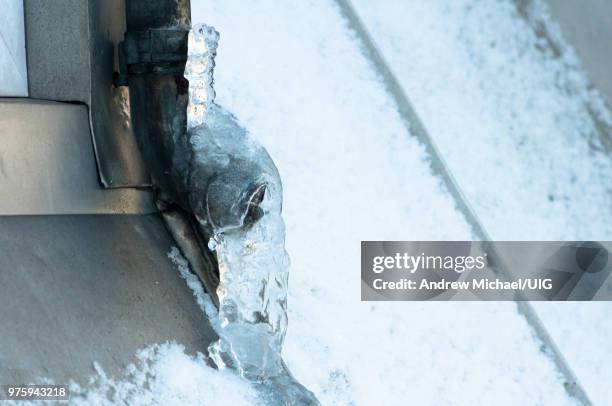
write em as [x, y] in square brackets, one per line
[236, 194]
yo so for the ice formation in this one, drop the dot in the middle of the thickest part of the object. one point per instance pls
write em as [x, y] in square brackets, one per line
[349, 148]
[235, 192]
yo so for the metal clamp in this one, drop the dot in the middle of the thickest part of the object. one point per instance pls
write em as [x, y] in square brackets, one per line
[161, 51]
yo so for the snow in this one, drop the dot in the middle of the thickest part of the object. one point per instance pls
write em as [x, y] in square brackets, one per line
[165, 375]
[517, 124]
[511, 120]
[294, 76]
[13, 71]
[582, 331]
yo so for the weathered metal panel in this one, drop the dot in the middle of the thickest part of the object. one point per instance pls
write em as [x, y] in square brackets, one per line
[57, 35]
[78, 289]
[47, 163]
[72, 56]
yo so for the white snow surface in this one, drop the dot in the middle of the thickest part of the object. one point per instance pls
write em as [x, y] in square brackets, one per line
[509, 117]
[582, 332]
[295, 77]
[516, 124]
[13, 71]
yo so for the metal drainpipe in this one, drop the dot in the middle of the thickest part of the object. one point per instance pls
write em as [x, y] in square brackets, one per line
[154, 54]
[153, 57]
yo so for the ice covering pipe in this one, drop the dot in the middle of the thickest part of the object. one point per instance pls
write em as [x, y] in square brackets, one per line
[235, 192]
[153, 57]
[155, 51]
[215, 185]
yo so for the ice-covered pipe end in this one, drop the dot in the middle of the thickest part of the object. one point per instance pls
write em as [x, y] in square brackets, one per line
[202, 44]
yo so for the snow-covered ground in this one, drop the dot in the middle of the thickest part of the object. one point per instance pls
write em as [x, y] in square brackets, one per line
[352, 172]
[13, 74]
[512, 123]
[515, 123]
[509, 116]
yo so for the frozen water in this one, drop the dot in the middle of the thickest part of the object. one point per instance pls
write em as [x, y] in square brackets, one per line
[203, 41]
[236, 194]
[230, 173]
[280, 389]
[252, 293]
[235, 184]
